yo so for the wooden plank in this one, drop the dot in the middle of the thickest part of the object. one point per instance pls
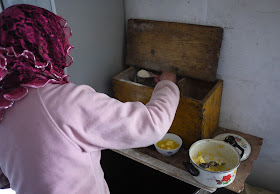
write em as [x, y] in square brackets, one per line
[163, 167]
[211, 110]
[187, 49]
[193, 116]
[246, 166]
[150, 157]
[127, 91]
[188, 121]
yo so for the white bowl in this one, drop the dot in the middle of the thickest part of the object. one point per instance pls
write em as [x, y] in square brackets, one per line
[173, 137]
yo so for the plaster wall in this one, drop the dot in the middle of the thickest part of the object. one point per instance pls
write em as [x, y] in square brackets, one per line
[98, 34]
[249, 65]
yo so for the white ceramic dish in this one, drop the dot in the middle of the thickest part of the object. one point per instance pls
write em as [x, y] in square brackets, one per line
[241, 142]
[173, 137]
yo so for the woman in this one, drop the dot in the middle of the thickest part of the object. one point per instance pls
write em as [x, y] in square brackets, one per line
[53, 131]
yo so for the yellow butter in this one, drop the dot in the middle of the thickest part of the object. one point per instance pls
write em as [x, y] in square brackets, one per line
[167, 144]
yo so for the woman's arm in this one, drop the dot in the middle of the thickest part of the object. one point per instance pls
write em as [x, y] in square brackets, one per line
[95, 121]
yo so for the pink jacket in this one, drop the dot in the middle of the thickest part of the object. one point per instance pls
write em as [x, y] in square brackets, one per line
[51, 140]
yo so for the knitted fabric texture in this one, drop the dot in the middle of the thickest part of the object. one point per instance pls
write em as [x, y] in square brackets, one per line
[34, 51]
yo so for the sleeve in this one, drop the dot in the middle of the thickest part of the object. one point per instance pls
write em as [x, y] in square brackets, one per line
[4, 182]
[96, 121]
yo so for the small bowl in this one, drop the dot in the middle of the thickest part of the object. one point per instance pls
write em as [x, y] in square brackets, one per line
[173, 137]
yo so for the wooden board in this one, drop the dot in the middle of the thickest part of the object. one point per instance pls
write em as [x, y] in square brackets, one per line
[145, 156]
[211, 110]
[198, 112]
[177, 160]
[246, 166]
[188, 50]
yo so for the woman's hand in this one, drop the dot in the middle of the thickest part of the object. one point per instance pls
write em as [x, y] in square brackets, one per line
[166, 76]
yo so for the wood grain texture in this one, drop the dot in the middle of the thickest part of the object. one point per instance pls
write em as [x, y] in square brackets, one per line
[243, 170]
[187, 49]
[198, 112]
[126, 90]
[188, 121]
[156, 161]
[245, 166]
[211, 110]
[192, 52]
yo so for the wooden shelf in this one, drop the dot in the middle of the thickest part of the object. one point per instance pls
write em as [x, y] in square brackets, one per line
[173, 165]
[246, 166]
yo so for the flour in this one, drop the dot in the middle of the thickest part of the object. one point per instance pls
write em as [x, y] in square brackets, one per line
[143, 74]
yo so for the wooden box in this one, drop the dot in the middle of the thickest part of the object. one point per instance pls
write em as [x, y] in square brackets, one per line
[192, 51]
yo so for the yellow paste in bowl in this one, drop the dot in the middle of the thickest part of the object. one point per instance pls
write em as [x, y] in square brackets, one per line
[201, 159]
[167, 144]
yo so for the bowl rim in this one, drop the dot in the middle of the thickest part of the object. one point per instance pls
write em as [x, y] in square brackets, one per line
[180, 143]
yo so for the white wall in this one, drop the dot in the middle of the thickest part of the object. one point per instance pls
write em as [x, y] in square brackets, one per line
[98, 36]
[249, 65]
[47, 4]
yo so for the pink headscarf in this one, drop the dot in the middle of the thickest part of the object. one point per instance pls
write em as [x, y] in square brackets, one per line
[34, 50]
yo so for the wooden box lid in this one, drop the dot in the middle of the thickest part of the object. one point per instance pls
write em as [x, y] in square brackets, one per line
[189, 50]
